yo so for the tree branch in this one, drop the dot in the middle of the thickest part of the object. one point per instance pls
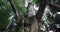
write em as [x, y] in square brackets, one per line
[15, 10]
[16, 13]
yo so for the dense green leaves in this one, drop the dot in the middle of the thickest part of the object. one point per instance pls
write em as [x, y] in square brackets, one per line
[37, 2]
[4, 14]
[20, 4]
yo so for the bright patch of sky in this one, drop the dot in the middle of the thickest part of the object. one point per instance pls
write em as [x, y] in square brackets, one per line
[58, 12]
[11, 17]
[26, 5]
[36, 7]
[51, 31]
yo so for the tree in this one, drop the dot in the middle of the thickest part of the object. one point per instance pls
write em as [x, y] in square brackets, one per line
[40, 12]
[21, 14]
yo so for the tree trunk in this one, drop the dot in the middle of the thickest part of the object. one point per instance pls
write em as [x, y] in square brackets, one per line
[40, 13]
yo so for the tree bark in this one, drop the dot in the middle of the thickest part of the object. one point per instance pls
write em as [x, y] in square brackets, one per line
[14, 9]
[40, 12]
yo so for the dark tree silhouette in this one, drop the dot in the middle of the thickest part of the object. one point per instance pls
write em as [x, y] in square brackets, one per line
[40, 12]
